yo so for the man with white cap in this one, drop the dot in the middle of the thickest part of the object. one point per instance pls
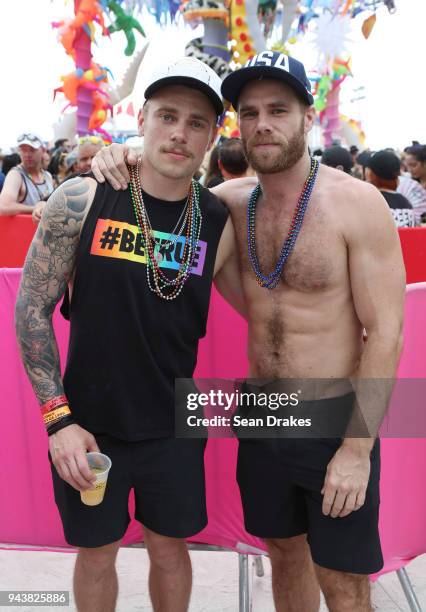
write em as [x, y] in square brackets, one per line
[141, 264]
[28, 185]
[320, 261]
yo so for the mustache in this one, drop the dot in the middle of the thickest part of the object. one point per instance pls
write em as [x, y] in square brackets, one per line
[176, 150]
[263, 141]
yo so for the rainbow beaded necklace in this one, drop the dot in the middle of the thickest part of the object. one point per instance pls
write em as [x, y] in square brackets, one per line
[270, 281]
[158, 282]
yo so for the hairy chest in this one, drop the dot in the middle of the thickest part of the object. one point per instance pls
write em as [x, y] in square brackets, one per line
[318, 260]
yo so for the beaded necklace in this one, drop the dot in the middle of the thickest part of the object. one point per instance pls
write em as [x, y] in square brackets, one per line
[270, 281]
[158, 282]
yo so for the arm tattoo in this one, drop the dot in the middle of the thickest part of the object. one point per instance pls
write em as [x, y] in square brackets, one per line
[47, 270]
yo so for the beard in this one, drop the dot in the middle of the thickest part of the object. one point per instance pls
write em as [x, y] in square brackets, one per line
[284, 158]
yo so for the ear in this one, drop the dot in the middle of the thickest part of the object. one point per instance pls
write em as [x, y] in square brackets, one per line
[213, 137]
[141, 119]
[309, 118]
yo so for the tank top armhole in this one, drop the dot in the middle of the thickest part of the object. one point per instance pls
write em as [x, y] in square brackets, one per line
[22, 175]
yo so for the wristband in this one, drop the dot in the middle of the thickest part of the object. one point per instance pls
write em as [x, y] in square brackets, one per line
[58, 425]
[55, 415]
[55, 402]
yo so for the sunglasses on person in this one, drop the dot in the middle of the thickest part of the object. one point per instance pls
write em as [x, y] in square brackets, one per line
[30, 137]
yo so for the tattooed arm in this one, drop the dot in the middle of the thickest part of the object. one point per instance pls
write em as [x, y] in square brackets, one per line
[48, 268]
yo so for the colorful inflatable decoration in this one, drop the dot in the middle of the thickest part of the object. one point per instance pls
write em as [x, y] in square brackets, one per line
[86, 88]
[232, 35]
[126, 23]
[352, 132]
[66, 127]
[332, 24]
[234, 30]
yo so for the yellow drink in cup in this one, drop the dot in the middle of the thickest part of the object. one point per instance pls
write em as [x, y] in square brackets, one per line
[100, 465]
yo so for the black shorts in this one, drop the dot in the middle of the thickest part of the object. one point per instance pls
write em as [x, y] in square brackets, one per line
[280, 482]
[167, 476]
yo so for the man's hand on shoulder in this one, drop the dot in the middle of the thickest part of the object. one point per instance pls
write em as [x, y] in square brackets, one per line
[110, 164]
[235, 190]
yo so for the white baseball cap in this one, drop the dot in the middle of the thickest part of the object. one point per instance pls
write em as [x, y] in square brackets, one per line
[28, 138]
[191, 72]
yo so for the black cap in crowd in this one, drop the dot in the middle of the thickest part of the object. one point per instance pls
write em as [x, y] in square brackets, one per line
[385, 164]
[363, 158]
[337, 156]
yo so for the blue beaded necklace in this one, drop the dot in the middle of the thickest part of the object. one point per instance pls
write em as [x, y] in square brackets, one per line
[271, 280]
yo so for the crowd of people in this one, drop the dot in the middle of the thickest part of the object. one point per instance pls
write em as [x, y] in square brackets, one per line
[38, 170]
[29, 175]
[400, 178]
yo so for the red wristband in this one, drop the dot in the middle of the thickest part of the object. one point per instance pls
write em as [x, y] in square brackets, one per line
[55, 402]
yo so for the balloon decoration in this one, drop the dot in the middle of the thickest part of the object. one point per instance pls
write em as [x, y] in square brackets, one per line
[87, 88]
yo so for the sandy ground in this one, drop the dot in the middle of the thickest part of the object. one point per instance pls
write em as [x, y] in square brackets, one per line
[215, 581]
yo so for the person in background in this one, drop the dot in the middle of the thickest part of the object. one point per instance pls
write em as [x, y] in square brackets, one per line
[88, 146]
[416, 163]
[58, 166]
[338, 157]
[71, 164]
[63, 143]
[356, 169]
[354, 153]
[213, 174]
[413, 185]
[361, 163]
[383, 170]
[45, 160]
[232, 161]
[27, 185]
[10, 161]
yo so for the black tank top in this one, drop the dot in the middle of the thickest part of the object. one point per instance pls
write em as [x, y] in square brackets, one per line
[127, 345]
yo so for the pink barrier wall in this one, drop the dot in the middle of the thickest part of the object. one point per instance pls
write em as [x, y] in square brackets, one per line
[28, 515]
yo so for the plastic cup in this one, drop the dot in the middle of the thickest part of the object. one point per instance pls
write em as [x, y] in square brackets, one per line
[100, 465]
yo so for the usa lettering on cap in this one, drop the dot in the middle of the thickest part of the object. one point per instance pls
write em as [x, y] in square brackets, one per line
[266, 58]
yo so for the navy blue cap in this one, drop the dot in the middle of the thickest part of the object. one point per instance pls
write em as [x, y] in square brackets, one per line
[268, 65]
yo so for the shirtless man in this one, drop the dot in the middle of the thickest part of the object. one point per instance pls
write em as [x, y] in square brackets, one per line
[314, 502]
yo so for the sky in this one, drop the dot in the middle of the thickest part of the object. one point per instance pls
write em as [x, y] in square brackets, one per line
[388, 69]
